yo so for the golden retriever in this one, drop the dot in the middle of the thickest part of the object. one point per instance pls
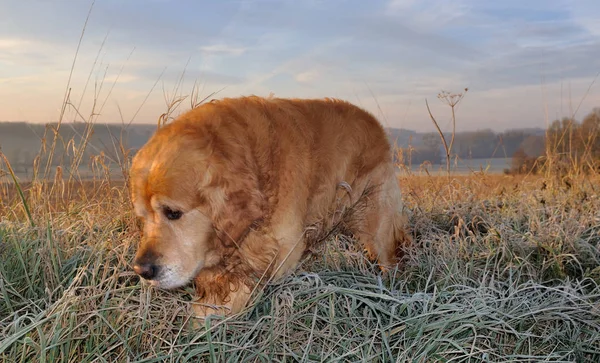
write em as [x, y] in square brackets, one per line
[230, 191]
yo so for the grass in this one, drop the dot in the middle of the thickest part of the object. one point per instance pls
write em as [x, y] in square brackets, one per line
[504, 268]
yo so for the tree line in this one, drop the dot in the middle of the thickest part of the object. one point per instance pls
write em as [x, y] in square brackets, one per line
[480, 144]
[569, 145]
[566, 144]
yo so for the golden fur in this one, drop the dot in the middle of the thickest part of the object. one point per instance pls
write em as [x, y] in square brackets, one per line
[226, 193]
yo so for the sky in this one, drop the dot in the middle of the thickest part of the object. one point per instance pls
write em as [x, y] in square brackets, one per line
[525, 63]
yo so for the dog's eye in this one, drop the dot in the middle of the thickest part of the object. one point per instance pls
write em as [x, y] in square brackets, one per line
[172, 214]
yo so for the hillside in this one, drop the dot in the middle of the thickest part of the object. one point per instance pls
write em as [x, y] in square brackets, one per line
[21, 142]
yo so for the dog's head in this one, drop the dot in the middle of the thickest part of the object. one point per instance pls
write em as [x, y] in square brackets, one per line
[196, 192]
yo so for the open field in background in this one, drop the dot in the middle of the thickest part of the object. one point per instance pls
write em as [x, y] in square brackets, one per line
[464, 167]
[504, 268]
[459, 167]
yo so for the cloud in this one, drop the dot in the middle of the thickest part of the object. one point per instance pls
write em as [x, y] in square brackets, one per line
[24, 52]
[19, 80]
[307, 76]
[8, 44]
[222, 49]
[585, 13]
[428, 15]
[121, 78]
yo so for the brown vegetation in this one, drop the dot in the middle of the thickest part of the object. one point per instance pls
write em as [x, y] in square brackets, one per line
[568, 146]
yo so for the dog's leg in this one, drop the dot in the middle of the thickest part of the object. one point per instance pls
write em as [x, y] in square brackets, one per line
[292, 244]
[383, 230]
[221, 292]
[227, 288]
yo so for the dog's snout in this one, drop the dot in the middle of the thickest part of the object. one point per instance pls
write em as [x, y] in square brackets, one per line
[145, 265]
[146, 270]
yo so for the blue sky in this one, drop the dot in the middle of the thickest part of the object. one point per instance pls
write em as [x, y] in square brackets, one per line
[524, 62]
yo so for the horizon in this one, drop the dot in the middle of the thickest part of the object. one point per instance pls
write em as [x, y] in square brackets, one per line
[147, 124]
[525, 65]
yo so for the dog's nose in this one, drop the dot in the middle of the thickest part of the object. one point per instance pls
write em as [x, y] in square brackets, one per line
[147, 270]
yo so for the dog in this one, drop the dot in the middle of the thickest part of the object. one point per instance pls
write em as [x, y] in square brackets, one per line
[229, 192]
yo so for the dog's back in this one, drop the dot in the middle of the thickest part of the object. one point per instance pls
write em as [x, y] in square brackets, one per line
[330, 161]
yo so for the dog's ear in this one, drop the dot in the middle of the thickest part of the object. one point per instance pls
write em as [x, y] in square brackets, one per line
[243, 207]
[239, 202]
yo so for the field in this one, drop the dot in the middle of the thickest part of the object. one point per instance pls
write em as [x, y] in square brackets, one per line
[467, 167]
[504, 268]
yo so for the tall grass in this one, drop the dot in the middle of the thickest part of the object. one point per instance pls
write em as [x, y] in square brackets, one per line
[504, 268]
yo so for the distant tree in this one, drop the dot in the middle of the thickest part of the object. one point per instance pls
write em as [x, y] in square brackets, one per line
[431, 150]
[431, 141]
[522, 163]
[510, 141]
[533, 145]
[568, 146]
[526, 158]
[590, 134]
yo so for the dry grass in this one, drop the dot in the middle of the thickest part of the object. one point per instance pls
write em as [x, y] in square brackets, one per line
[504, 269]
